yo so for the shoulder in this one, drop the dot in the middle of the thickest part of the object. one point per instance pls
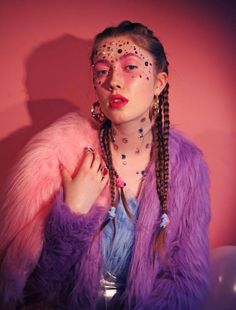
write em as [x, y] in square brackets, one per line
[185, 155]
[179, 143]
[71, 129]
[61, 142]
[187, 163]
[36, 174]
[189, 183]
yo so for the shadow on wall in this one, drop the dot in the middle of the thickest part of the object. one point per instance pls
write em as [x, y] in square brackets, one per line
[57, 82]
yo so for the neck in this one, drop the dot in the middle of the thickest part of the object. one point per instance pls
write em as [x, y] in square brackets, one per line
[132, 135]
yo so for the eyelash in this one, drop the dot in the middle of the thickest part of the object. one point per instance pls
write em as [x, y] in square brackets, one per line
[100, 73]
[133, 66]
[104, 72]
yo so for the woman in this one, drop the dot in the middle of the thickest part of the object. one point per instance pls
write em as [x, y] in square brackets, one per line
[128, 228]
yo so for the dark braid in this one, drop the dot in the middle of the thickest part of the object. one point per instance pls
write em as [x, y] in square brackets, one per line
[104, 138]
[161, 134]
[145, 38]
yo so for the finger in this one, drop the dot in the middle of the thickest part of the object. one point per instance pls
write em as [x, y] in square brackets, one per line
[105, 178]
[66, 177]
[104, 172]
[96, 162]
[88, 157]
[100, 166]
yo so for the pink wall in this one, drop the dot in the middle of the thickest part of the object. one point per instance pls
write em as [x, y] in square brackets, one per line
[45, 73]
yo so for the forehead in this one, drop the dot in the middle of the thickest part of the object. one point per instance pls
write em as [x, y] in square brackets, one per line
[119, 47]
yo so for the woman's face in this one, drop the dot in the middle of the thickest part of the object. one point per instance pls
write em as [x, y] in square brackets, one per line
[125, 79]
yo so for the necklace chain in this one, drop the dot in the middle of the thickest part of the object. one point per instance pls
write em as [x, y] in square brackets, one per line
[137, 150]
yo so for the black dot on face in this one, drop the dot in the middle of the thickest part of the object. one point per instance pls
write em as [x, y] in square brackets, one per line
[119, 50]
[147, 78]
[140, 76]
[104, 45]
[127, 42]
[146, 63]
[136, 52]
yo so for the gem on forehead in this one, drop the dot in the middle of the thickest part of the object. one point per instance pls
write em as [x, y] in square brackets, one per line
[119, 50]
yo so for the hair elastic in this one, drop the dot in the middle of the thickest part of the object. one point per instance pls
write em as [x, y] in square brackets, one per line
[112, 213]
[164, 220]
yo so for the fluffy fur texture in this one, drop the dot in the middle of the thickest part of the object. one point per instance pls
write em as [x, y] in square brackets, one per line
[179, 281]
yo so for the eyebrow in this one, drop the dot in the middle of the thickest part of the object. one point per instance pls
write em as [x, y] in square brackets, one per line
[106, 62]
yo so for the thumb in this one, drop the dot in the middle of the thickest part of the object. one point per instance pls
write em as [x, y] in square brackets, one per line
[66, 177]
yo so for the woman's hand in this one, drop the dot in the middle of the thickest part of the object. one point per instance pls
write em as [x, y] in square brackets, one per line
[82, 191]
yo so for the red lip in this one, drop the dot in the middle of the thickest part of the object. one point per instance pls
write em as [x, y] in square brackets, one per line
[115, 105]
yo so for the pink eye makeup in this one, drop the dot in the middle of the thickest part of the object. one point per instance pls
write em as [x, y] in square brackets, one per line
[130, 57]
[100, 68]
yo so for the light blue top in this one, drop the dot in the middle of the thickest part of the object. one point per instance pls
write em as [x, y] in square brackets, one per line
[117, 254]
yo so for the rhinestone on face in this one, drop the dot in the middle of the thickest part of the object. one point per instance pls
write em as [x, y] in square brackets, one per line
[144, 173]
[140, 131]
[125, 140]
[123, 156]
[115, 146]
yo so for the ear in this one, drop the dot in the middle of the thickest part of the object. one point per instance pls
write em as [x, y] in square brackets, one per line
[161, 81]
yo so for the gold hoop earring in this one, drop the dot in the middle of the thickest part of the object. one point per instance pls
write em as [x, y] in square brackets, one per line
[155, 105]
[154, 108]
[97, 113]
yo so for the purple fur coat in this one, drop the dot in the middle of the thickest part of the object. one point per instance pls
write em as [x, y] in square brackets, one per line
[70, 265]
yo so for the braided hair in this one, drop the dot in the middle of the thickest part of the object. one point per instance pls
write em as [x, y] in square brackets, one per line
[145, 38]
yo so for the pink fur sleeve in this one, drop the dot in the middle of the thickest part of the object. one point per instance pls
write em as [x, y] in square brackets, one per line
[28, 194]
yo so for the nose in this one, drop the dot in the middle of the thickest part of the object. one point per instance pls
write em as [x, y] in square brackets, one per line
[116, 80]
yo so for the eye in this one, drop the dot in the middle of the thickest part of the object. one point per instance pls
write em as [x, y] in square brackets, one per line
[101, 72]
[131, 67]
